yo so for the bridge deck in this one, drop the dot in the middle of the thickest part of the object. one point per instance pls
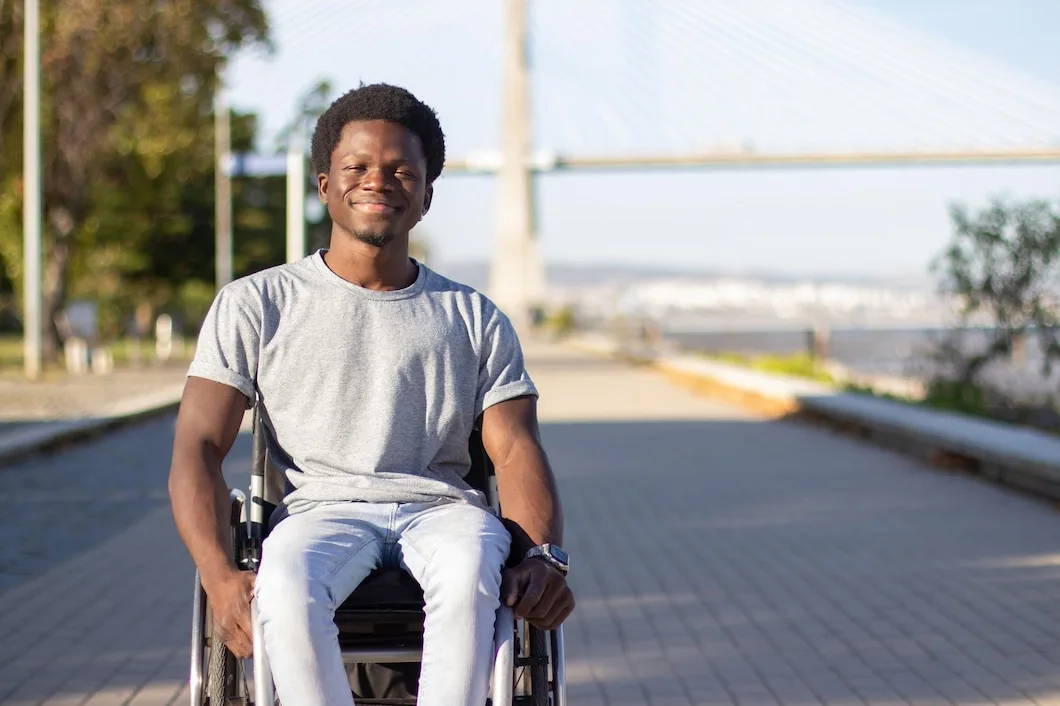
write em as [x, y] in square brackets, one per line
[717, 557]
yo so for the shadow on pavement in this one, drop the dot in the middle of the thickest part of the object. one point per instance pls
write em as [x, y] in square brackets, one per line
[713, 561]
[735, 562]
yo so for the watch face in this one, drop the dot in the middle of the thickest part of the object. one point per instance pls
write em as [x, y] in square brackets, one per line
[559, 554]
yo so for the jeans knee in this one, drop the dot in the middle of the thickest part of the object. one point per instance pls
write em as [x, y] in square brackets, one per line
[466, 575]
[286, 594]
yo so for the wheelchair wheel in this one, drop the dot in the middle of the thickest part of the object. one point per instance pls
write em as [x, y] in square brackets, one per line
[537, 654]
[217, 677]
[225, 681]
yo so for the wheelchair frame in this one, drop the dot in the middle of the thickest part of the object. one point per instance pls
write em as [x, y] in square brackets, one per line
[218, 678]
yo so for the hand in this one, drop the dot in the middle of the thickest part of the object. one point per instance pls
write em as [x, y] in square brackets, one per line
[538, 592]
[229, 601]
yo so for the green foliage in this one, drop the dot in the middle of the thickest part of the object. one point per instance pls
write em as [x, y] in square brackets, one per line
[943, 395]
[1003, 269]
[800, 365]
[860, 389]
[127, 125]
[562, 321]
[957, 396]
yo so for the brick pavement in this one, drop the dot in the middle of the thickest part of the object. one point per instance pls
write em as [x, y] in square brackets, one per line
[718, 559]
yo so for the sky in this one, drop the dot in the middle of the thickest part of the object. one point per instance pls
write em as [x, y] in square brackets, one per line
[647, 76]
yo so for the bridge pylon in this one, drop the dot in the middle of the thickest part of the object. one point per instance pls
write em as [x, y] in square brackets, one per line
[517, 273]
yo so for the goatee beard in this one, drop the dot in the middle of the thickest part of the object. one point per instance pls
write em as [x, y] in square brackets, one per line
[374, 238]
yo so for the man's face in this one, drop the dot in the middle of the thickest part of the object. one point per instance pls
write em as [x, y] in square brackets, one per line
[377, 187]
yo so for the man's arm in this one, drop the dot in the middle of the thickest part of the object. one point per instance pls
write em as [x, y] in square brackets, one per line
[207, 425]
[530, 502]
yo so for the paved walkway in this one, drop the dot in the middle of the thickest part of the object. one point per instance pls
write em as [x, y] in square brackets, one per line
[31, 411]
[718, 559]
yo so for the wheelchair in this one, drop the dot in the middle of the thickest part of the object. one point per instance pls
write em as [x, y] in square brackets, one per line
[380, 624]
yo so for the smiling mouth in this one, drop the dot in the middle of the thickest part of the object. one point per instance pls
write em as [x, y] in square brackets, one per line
[374, 207]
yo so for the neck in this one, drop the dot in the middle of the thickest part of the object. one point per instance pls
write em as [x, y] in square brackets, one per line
[384, 269]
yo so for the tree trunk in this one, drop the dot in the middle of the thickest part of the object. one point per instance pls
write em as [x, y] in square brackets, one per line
[1000, 346]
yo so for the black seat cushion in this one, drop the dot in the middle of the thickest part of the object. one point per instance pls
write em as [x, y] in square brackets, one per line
[386, 589]
[385, 610]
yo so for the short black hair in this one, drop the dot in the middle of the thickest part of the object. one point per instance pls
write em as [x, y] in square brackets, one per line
[380, 101]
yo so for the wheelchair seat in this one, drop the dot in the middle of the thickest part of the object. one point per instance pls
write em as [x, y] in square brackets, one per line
[383, 614]
[383, 590]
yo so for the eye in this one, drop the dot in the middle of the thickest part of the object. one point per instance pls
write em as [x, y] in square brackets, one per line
[354, 168]
[406, 173]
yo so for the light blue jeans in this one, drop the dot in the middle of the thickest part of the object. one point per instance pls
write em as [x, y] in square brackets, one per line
[312, 561]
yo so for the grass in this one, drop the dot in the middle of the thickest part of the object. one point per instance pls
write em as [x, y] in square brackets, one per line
[10, 351]
[951, 397]
[123, 350]
[798, 365]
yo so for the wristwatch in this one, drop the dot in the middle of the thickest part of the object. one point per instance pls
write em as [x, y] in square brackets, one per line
[551, 553]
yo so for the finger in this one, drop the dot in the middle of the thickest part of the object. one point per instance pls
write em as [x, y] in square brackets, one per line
[239, 646]
[508, 588]
[535, 587]
[241, 649]
[242, 640]
[235, 632]
[513, 584]
[545, 603]
[233, 638]
[561, 610]
[246, 629]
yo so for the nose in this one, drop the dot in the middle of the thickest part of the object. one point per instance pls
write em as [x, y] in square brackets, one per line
[374, 179]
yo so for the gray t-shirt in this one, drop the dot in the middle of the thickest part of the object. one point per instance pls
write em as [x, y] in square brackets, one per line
[367, 395]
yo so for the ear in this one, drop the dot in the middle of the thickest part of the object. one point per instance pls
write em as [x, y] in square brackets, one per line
[322, 187]
[428, 196]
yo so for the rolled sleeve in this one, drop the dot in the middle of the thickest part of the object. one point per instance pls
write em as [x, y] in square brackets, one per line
[502, 371]
[228, 344]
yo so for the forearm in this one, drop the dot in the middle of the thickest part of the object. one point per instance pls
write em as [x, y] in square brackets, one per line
[528, 496]
[202, 510]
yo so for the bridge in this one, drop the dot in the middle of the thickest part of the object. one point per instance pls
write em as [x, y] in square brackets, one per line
[632, 85]
[719, 557]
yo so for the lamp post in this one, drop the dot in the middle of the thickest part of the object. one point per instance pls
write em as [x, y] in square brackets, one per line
[31, 196]
[295, 195]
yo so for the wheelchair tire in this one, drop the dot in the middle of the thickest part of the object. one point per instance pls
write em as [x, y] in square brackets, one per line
[538, 653]
[225, 682]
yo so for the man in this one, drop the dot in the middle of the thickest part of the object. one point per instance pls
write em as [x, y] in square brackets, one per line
[370, 371]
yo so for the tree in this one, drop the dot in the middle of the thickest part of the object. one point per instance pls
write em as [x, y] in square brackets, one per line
[155, 245]
[127, 93]
[1002, 267]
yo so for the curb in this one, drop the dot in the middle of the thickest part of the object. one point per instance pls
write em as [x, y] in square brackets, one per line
[1017, 457]
[51, 436]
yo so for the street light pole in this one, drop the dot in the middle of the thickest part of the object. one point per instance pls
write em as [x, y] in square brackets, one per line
[295, 196]
[31, 196]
